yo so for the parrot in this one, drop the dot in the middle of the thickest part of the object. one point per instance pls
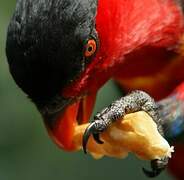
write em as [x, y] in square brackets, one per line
[61, 52]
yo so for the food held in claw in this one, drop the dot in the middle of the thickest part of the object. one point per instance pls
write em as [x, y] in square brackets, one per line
[136, 133]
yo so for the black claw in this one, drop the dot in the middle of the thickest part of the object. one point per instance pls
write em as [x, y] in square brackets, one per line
[95, 128]
[157, 166]
[87, 133]
[97, 138]
[152, 173]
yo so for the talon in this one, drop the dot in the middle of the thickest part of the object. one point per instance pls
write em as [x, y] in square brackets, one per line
[157, 167]
[97, 138]
[152, 173]
[87, 133]
[95, 128]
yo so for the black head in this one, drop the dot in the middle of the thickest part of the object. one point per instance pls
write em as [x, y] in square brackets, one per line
[45, 44]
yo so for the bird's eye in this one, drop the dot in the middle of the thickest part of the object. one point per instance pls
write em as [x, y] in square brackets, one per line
[90, 48]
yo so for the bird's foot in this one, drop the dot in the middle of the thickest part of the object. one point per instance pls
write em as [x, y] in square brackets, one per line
[133, 102]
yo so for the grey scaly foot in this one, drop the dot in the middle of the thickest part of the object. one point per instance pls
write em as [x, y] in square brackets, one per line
[133, 102]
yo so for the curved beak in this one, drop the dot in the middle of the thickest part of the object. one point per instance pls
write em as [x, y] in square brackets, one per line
[62, 128]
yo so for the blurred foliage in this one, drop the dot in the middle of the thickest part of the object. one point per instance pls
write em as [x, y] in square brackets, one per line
[26, 151]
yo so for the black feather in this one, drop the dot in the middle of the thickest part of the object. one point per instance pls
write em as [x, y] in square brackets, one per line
[45, 43]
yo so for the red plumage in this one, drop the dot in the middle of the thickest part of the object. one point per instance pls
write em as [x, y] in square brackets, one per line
[140, 47]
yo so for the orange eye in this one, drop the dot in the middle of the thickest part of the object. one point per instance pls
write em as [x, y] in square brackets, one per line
[90, 48]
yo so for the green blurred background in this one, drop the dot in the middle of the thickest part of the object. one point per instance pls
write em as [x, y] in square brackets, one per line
[26, 151]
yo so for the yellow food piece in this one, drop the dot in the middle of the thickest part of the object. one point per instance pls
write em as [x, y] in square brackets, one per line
[136, 133]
